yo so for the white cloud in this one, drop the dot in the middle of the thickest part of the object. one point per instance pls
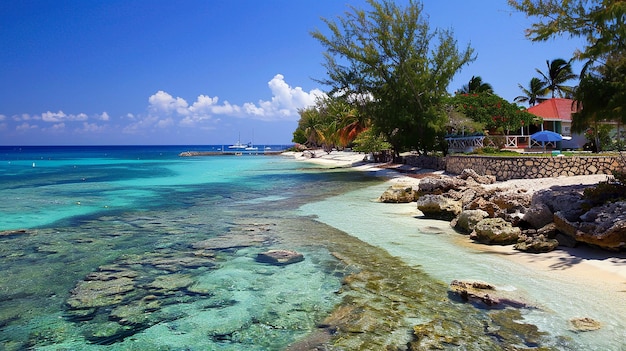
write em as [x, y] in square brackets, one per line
[2, 117]
[164, 102]
[90, 128]
[57, 127]
[104, 116]
[25, 126]
[284, 105]
[55, 117]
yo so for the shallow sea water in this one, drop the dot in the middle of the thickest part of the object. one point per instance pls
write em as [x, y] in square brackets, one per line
[135, 248]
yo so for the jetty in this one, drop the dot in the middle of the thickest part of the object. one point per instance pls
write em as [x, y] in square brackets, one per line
[231, 153]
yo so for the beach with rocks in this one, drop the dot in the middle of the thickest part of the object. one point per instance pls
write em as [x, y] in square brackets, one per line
[600, 272]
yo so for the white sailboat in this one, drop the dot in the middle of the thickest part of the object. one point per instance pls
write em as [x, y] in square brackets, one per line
[238, 144]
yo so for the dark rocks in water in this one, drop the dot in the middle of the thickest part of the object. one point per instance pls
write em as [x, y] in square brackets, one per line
[484, 294]
[253, 235]
[14, 232]
[584, 324]
[280, 257]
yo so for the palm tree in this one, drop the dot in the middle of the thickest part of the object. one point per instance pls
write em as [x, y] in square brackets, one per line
[475, 86]
[559, 72]
[534, 93]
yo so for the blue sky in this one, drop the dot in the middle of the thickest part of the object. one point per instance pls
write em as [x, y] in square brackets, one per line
[204, 72]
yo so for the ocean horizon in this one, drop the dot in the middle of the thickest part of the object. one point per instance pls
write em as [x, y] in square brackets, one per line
[136, 248]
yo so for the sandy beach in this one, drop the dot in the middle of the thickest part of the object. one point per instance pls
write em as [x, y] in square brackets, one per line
[588, 266]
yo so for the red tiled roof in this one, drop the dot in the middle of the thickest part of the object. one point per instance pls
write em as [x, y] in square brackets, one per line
[554, 109]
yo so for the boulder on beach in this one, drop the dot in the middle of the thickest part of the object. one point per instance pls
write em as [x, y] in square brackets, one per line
[280, 257]
[398, 193]
[471, 175]
[439, 207]
[467, 220]
[603, 226]
[495, 231]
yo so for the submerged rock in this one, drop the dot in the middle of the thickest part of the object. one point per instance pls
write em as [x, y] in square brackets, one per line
[584, 324]
[15, 232]
[483, 294]
[280, 257]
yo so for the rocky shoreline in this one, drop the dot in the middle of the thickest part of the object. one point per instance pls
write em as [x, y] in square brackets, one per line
[532, 221]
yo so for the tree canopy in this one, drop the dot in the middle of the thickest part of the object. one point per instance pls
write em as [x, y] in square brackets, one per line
[600, 22]
[494, 112]
[534, 93]
[389, 55]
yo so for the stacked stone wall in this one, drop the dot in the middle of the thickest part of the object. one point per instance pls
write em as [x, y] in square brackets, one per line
[504, 168]
[428, 162]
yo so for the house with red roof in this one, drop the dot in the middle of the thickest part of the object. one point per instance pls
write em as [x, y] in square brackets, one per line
[557, 117]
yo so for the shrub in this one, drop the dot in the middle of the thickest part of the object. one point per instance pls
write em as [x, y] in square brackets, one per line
[607, 191]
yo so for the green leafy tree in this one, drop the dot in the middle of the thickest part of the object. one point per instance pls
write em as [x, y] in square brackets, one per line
[600, 22]
[534, 93]
[492, 111]
[390, 55]
[601, 97]
[368, 141]
[559, 71]
[476, 85]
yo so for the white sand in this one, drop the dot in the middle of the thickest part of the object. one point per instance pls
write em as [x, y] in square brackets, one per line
[589, 266]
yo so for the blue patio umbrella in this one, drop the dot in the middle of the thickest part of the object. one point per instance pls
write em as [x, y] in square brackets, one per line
[546, 136]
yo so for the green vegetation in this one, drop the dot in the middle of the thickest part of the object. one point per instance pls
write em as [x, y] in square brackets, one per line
[388, 77]
[395, 69]
[493, 112]
[608, 191]
[601, 94]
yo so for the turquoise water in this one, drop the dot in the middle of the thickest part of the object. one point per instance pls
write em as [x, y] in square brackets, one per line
[136, 248]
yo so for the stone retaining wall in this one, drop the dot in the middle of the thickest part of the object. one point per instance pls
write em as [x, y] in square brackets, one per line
[428, 162]
[505, 168]
[523, 167]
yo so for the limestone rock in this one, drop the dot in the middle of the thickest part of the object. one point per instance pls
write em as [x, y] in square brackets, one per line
[439, 207]
[495, 231]
[566, 199]
[471, 175]
[398, 193]
[437, 186]
[280, 257]
[584, 324]
[605, 228]
[536, 243]
[483, 294]
[467, 220]
[538, 215]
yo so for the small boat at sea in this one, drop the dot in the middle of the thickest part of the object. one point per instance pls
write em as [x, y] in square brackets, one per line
[238, 144]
